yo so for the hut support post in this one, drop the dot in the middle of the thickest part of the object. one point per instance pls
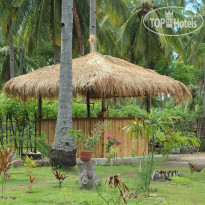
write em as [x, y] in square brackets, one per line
[148, 99]
[103, 108]
[88, 104]
[39, 114]
[103, 105]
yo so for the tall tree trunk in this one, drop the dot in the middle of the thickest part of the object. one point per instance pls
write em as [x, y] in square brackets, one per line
[57, 54]
[132, 56]
[93, 19]
[63, 151]
[22, 59]
[11, 51]
[200, 88]
[76, 20]
[204, 98]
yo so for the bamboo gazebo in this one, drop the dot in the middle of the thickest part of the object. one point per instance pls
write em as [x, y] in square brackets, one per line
[97, 76]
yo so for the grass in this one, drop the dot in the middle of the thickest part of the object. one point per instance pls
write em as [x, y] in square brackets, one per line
[188, 190]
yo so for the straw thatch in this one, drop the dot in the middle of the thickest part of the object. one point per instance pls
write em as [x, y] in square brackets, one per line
[103, 76]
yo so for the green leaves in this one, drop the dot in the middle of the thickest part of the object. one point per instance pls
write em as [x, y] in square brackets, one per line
[160, 127]
[88, 143]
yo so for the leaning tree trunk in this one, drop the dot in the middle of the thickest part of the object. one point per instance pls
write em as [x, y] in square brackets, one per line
[63, 151]
[79, 31]
[22, 59]
[11, 52]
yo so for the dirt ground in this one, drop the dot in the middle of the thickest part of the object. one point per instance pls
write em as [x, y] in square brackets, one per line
[184, 159]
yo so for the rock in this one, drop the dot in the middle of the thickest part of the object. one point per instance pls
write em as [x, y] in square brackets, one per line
[153, 195]
[179, 174]
[35, 156]
[155, 176]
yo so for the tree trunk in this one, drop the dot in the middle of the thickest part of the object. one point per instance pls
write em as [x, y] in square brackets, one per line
[132, 56]
[87, 174]
[93, 19]
[22, 59]
[200, 88]
[76, 20]
[63, 151]
[150, 172]
[204, 98]
[57, 54]
[148, 103]
[11, 51]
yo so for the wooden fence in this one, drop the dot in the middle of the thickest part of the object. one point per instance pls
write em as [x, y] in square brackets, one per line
[115, 129]
[22, 134]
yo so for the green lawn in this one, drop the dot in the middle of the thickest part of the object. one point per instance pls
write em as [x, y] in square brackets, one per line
[45, 191]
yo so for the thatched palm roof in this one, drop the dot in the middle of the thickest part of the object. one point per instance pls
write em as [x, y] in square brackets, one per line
[103, 76]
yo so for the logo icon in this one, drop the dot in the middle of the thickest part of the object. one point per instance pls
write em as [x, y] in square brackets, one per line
[167, 21]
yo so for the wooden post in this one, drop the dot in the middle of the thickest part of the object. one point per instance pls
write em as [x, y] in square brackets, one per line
[103, 105]
[88, 104]
[148, 99]
[39, 114]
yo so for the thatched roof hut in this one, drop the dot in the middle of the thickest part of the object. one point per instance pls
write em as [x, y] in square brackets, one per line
[102, 76]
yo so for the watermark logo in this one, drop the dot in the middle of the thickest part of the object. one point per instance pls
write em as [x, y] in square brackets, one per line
[173, 21]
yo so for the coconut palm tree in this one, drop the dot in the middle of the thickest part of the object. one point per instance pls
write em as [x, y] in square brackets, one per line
[38, 21]
[8, 11]
[138, 41]
[63, 151]
[29, 64]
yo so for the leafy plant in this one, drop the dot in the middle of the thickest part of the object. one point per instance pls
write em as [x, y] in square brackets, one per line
[6, 162]
[60, 177]
[29, 163]
[88, 143]
[158, 127]
[111, 152]
[180, 180]
[143, 171]
[118, 183]
[42, 145]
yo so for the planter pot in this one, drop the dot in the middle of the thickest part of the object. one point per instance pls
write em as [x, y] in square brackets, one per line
[85, 156]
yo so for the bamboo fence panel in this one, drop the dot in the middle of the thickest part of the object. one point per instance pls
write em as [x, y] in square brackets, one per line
[115, 130]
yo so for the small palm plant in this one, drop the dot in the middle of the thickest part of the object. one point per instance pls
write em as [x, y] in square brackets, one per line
[158, 127]
[6, 162]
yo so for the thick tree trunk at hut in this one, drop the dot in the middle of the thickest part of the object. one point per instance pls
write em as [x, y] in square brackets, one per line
[63, 151]
[87, 175]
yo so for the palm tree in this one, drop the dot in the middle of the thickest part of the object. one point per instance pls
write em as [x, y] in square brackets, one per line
[8, 11]
[110, 16]
[139, 42]
[63, 151]
[40, 21]
[29, 64]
